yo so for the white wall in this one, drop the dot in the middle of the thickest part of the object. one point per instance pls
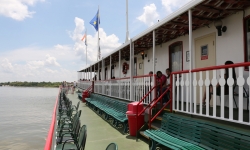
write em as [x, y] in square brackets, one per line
[229, 46]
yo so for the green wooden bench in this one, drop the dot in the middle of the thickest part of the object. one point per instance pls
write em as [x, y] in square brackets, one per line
[111, 109]
[178, 132]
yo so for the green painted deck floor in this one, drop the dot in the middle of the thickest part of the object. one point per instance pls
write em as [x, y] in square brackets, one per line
[100, 133]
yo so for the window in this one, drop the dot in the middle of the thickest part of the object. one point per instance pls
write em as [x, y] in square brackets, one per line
[100, 71]
[175, 56]
[106, 74]
[135, 66]
[112, 71]
[247, 38]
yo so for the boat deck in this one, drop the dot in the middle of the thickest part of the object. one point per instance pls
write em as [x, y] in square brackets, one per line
[100, 133]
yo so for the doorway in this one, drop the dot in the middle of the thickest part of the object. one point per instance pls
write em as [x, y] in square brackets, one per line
[205, 56]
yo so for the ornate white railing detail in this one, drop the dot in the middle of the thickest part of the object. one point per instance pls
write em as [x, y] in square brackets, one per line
[120, 88]
[142, 86]
[98, 87]
[84, 84]
[226, 98]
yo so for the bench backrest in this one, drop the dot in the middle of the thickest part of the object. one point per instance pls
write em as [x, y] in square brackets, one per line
[110, 102]
[207, 135]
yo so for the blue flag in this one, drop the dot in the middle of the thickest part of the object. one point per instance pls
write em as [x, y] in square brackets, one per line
[95, 21]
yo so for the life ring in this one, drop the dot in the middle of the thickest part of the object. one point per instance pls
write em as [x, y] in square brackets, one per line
[125, 68]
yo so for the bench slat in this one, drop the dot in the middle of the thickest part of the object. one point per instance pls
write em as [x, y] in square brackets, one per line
[198, 133]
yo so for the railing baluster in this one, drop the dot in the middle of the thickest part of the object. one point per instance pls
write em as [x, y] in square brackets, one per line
[173, 92]
[187, 92]
[201, 84]
[230, 82]
[195, 88]
[144, 89]
[182, 92]
[222, 84]
[214, 83]
[178, 91]
[248, 82]
[207, 83]
[240, 82]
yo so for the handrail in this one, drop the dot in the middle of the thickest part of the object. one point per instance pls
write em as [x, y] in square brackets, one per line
[156, 101]
[89, 88]
[52, 126]
[144, 99]
[141, 76]
[222, 67]
[214, 67]
[179, 72]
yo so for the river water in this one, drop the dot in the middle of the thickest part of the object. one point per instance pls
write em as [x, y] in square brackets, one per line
[25, 117]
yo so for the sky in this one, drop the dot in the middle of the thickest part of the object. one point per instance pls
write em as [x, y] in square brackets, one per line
[40, 40]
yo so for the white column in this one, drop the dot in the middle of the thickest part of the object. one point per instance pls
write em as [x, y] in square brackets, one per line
[152, 85]
[85, 74]
[131, 70]
[120, 73]
[91, 73]
[94, 72]
[127, 32]
[98, 71]
[110, 66]
[191, 59]
[103, 71]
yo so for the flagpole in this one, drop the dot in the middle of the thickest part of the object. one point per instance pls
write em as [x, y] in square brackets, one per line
[86, 47]
[98, 48]
[127, 32]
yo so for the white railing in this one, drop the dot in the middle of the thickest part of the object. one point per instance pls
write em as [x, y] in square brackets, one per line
[142, 85]
[231, 105]
[120, 88]
[84, 84]
[98, 86]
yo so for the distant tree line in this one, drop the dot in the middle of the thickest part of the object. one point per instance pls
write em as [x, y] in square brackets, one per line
[32, 84]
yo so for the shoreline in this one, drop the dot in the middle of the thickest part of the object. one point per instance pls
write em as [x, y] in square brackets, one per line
[30, 86]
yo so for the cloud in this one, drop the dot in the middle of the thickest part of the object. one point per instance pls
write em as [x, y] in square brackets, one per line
[6, 66]
[41, 64]
[50, 71]
[57, 63]
[107, 42]
[172, 5]
[149, 15]
[34, 71]
[51, 61]
[17, 9]
[35, 64]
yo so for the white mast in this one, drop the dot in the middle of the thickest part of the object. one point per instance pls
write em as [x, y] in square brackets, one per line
[86, 46]
[127, 32]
